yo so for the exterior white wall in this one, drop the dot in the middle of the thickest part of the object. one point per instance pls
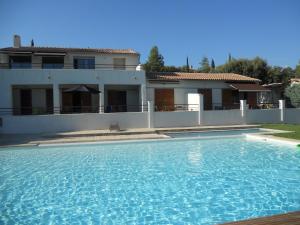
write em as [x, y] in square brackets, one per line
[292, 116]
[175, 119]
[183, 87]
[222, 117]
[54, 77]
[71, 122]
[263, 116]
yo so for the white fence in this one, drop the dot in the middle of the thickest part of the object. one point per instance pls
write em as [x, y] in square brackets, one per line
[222, 117]
[127, 120]
[72, 122]
[175, 119]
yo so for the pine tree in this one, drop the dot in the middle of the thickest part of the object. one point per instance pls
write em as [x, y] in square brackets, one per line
[155, 62]
[187, 64]
[229, 57]
[212, 64]
[204, 65]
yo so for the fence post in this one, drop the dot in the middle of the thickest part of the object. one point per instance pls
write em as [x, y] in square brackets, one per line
[101, 98]
[150, 114]
[56, 99]
[282, 110]
[200, 110]
[243, 108]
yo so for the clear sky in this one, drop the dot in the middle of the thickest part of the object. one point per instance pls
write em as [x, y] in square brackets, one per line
[180, 28]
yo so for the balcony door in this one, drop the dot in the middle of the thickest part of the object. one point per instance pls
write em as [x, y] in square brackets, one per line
[26, 101]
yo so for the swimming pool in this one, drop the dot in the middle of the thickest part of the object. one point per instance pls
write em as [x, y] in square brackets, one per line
[152, 182]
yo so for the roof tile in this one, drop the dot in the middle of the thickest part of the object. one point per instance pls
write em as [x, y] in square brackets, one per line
[173, 76]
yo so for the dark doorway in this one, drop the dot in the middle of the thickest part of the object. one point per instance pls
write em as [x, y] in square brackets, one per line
[116, 101]
[26, 101]
[207, 97]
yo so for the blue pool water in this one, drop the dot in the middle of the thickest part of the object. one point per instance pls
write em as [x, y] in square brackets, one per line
[161, 182]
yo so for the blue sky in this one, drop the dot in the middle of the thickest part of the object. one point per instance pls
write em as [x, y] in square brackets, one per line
[193, 28]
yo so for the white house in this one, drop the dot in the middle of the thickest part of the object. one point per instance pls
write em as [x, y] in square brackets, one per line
[46, 80]
[51, 89]
[220, 90]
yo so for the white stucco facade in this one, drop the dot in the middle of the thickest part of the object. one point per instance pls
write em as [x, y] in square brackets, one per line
[184, 87]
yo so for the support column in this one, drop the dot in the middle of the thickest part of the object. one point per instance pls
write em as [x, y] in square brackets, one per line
[56, 99]
[142, 96]
[200, 110]
[101, 98]
[282, 110]
[243, 108]
[150, 114]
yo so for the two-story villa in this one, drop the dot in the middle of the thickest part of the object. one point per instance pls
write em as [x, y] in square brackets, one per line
[47, 80]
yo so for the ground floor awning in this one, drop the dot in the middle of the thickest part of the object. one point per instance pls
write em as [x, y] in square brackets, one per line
[248, 87]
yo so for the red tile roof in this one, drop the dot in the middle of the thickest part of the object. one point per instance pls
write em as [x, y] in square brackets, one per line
[174, 76]
[67, 50]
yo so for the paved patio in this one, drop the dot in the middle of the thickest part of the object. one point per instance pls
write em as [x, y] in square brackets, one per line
[102, 135]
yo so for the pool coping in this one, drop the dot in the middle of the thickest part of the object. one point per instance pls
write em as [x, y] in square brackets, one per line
[162, 135]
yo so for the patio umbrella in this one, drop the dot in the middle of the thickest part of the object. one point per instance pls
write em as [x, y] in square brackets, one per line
[82, 89]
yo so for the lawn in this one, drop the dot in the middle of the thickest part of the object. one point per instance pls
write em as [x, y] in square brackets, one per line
[287, 127]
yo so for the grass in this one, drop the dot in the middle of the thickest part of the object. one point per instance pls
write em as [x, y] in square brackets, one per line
[287, 127]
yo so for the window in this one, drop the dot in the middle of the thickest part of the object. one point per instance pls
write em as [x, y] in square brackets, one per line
[53, 62]
[119, 63]
[20, 62]
[84, 63]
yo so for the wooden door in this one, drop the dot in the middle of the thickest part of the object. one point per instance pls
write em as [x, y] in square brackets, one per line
[164, 99]
[227, 98]
[207, 97]
[252, 99]
[26, 101]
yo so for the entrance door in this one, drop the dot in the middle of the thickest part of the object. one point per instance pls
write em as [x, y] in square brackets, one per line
[26, 101]
[207, 98]
[164, 99]
[116, 101]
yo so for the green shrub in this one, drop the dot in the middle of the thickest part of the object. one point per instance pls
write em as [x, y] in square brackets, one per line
[293, 93]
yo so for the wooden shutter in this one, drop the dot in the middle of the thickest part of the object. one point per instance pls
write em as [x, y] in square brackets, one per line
[164, 99]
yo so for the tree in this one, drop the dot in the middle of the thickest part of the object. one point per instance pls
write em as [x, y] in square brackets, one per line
[212, 65]
[204, 65]
[297, 70]
[187, 64]
[229, 57]
[256, 68]
[293, 93]
[155, 62]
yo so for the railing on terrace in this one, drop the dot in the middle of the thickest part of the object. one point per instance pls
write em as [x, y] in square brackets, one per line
[72, 109]
[65, 66]
[177, 107]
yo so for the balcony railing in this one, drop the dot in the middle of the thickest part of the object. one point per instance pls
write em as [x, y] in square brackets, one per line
[65, 66]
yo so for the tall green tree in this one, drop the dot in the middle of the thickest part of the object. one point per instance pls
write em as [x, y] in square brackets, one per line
[212, 64]
[204, 65]
[187, 64]
[155, 62]
[297, 70]
[229, 57]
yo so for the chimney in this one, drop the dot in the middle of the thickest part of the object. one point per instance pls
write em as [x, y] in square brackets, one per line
[17, 41]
